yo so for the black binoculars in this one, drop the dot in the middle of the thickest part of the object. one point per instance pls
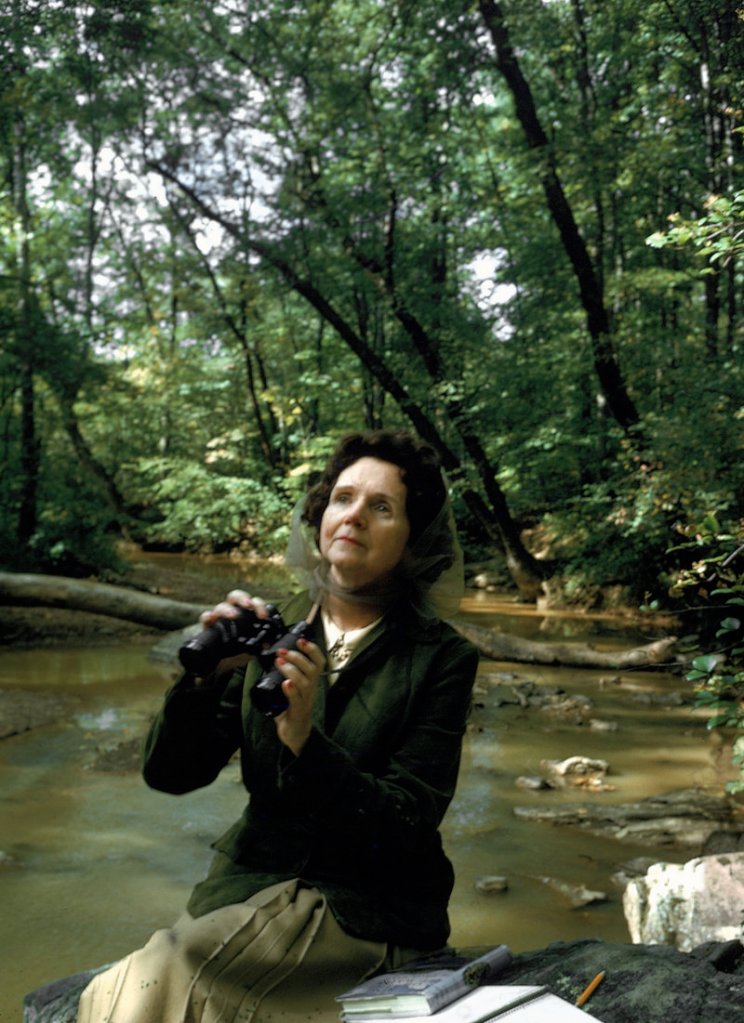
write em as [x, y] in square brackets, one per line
[247, 634]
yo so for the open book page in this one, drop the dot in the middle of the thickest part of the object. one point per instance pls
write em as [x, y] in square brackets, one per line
[546, 1008]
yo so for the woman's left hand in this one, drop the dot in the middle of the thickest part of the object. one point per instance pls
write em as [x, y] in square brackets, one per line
[301, 669]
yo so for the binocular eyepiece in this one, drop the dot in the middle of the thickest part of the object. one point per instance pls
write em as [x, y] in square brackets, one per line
[246, 634]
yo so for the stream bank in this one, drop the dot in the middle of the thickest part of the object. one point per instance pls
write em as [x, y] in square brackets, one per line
[91, 869]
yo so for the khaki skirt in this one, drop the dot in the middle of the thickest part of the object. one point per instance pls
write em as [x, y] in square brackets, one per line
[280, 955]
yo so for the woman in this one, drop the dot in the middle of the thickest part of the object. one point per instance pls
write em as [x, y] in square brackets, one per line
[335, 869]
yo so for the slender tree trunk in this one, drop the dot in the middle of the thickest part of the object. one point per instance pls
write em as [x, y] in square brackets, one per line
[619, 402]
[26, 340]
[239, 328]
[30, 457]
[369, 325]
[588, 101]
[89, 461]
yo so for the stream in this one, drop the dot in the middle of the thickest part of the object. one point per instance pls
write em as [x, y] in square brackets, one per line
[91, 861]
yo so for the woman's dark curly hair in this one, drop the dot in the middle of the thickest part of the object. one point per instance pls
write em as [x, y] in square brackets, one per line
[417, 460]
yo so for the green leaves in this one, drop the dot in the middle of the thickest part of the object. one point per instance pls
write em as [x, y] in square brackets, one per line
[702, 666]
[717, 236]
[718, 675]
[369, 153]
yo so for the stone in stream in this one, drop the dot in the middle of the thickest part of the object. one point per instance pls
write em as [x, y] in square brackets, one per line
[576, 767]
[532, 782]
[578, 895]
[630, 870]
[723, 842]
[21, 711]
[493, 884]
[601, 725]
[685, 904]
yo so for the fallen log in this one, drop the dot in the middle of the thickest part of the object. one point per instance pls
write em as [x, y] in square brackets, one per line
[30, 589]
[498, 646]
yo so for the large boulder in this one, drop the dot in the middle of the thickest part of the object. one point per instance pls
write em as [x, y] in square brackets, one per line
[686, 904]
[58, 1002]
[642, 984]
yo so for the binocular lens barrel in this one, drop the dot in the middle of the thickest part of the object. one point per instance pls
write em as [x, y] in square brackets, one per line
[266, 695]
[246, 634]
[228, 637]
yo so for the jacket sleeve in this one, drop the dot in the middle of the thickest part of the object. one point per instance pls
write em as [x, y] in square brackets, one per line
[194, 734]
[404, 799]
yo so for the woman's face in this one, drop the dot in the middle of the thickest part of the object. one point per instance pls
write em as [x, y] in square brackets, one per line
[364, 529]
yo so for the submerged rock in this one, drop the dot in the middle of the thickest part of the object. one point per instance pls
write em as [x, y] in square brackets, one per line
[577, 894]
[123, 758]
[494, 883]
[21, 711]
[631, 869]
[58, 1002]
[685, 818]
[532, 782]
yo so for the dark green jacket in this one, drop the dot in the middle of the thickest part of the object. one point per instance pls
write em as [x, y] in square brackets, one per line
[358, 812]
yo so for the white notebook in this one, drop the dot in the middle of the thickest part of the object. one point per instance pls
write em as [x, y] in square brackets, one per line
[519, 1003]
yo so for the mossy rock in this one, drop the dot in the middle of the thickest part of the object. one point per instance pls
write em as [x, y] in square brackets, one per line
[642, 984]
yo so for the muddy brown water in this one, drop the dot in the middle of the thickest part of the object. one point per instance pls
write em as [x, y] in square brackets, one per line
[91, 861]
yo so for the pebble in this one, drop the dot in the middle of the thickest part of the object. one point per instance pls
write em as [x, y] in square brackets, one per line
[491, 884]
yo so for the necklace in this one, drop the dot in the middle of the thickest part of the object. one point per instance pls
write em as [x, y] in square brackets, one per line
[342, 645]
[339, 652]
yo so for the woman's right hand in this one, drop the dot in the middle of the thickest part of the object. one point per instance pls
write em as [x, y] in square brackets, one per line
[234, 603]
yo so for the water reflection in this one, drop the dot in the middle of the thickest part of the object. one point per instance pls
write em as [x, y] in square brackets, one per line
[95, 861]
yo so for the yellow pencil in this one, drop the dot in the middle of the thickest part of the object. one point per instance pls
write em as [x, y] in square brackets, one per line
[590, 988]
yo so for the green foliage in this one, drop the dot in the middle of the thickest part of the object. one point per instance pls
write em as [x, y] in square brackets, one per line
[712, 585]
[75, 536]
[187, 178]
[76, 533]
[614, 526]
[197, 509]
[611, 532]
[717, 236]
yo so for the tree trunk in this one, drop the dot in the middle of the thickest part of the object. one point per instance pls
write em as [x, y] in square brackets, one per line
[237, 324]
[606, 367]
[89, 461]
[26, 339]
[27, 589]
[162, 613]
[501, 647]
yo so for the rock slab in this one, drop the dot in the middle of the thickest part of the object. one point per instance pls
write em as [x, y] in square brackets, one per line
[684, 818]
[643, 983]
[689, 903]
